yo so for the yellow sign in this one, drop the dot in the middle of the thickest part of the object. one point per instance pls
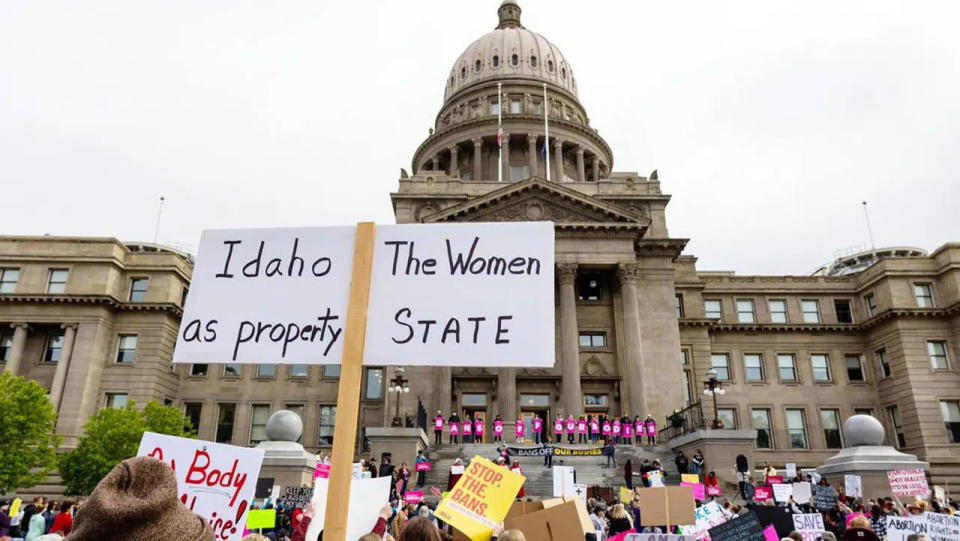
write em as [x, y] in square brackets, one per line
[690, 478]
[261, 518]
[15, 507]
[626, 496]
[480, 499]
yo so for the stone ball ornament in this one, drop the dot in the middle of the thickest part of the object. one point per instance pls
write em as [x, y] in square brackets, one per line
[863, 430]
[284, 425]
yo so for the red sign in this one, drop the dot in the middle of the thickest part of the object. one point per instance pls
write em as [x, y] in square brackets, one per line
[774, 479]
[762, 494]
[713, 491]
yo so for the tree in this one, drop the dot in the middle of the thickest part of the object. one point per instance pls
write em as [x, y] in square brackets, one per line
[113, 435]
[28, 439]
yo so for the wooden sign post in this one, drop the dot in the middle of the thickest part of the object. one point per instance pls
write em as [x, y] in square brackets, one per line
[348, 396]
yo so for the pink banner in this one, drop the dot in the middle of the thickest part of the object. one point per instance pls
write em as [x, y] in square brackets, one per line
[454, 429]
[423, 466]
[774, 479]
[413, 496]
[581, 427]
[770, 534]
[498, 428]
[652, 430]
[714, 491]
[638, 427]
[622, 536]
[322, 471]
[537, 426]
[699, 490]
[518, 430]
[762, 494]
[606, 428]
[438, 423]
[628, 430]
[558, 427]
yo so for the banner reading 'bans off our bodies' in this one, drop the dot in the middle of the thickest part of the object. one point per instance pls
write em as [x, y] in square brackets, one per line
[475, 294]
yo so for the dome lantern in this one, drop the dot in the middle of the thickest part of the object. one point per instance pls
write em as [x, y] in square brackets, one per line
[509, 13]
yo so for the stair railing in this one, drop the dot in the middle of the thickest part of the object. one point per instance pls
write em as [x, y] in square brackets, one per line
[689, 419]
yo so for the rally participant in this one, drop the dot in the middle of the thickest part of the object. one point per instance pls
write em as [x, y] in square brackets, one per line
[497, 430]
[582, 429]
[651, 428]
[638, 429]
[438, 429]
[712, 480]
[454, 477]
[403, 474]
[558, 428]
[617, 429]
[627, 425]
[628, 473]
[683, 463]
[454, 422]
[696, 462]
[421, 475]
[466, 426]
[537, 428]
[515, 467]
[571, 426]
[63, 522]
[594, 429]
[605, 428]
[478, 430]
[518, 430]
[547, 455]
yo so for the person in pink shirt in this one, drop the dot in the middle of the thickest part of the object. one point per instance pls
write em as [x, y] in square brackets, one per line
[438, 428]
[616, 430]
[454, 428]
[606, 430]
[582, 430]
[558, 428]
[594, 429]
[627, 431]
[638, 429]
[478, 430]
[467, 428]
[651, 426]
[537, 428]
[498, 429]
[518, 430]
[571, 429]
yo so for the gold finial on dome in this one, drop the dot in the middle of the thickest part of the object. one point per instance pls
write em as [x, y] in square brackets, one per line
[509, 13]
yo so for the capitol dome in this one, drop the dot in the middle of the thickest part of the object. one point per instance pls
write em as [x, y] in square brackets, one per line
[510, 51]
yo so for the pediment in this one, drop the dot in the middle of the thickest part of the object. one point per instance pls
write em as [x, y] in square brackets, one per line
[535, 199]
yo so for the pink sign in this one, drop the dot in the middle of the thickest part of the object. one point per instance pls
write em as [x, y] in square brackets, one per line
[454, 429]
[581, 427]
[628, 430]
[467, 428]
[906, 483]
[699, 490]
[606, 428]
[558, 427]
[436, 492]
[652, 430]
[594, 427]
[762, 494]
[713, 491]
[413, 496]
[322, 471]
[519, 429]
[770, 534]
[423, 466]
[537, 425]
[571, 425]
[622, 536]
[438, 423]
[774, 479]
[638, 426]
[616, 428]
[478, 428]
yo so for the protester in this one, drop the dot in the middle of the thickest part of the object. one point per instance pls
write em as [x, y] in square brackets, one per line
[498, 429]
[571, 426]
[511, 535]
[4, 518]
[711, 480]
[372, 467]
[50, 513]
[651, 428]
[594, 429]
[697, 462]
[537, 427]
[682, 463]
[627, 425]
[63, 522]
[582, 429]
[454, 422]
[518, 429]
[466, 427]
[619, 520]
[638, 429]
[438, 428]
[611, 452]
[478, 429]
[605, 429]
[386, 468]
[403, 474]
[547, 455]
[628, 474]
[454, 477]
[558, 427]
[617, 427]
[421, 475]
[515, 468]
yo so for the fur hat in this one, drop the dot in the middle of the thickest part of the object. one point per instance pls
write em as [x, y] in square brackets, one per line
[138, 501]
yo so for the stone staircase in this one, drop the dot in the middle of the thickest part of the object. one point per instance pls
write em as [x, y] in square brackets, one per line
[590, 470]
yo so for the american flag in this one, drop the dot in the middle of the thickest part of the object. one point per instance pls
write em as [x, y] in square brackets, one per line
[500, 137]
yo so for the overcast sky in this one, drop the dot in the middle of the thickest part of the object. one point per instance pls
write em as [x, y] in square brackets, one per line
[769, 122]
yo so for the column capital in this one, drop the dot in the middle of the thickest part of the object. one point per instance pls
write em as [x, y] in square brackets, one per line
[567, 273]
[477, 141]
[628, 272]
[580, 150]
[24, 326]
[66, 326]
[506, 136]
[557, 141]
[452, 148]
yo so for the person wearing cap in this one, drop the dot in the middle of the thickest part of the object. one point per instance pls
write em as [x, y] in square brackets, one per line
[138, 501]
[454, 477]
[515, 467]
[438, 428]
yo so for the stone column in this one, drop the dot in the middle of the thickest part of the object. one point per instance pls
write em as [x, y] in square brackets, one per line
[558, 160]
[571, 396]
[433, 163]
[507, 394]
[628, 273]
[63, 365]
[477, 147]
[506, 157]
[444, 388]
[16, 353]
[581, 171]
[532, 153]
[453, 159]
[596, 168]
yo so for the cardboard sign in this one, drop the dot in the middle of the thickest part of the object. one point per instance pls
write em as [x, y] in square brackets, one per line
[367, 496]
[295, 497]
[556, 523]
[907, 483]
[413, 496]
[261, 518]
[423, 466]
[562, 481]
[810, 525]
[782, 492]
[581, 509]
[939, 494]
[322, 471]
[707, 517]
[935, 526]
[791, 470]
[666, 506]
[689, 478]
[743, 528]
[714, 491]
[215, 480]
[476, 294]
[699, 491]
[851, 483]
[762, 493]
[802, 492]
[480, 499]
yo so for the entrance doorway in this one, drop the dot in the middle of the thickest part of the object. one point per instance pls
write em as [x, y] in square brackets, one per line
[479, 414]
[531, 404]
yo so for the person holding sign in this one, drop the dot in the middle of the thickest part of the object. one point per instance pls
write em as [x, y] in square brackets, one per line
[558, 428]
[638, 429]
[456, 471]
[651, 426]
[421, 474]
[467, 428]
[617, 428]
[537, 428]
[627, 430]
[594, 429]
[606, 430]
[571, 429]
[454, 422]
[518, 430]
[438, 429]
[498, 430]
[582, 430]
[478, 429]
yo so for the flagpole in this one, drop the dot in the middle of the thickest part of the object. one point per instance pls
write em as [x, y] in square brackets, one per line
[500, 132]
[546, 130]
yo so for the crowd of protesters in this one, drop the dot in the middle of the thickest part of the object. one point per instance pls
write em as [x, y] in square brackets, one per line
[38, 520]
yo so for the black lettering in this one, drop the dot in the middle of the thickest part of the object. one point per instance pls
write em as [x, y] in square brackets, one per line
[412, 261]
[426, 327]
[323, 260]
[278, 337]
[293, 331]
[211, 330]
[295, 259]
[261, 327]
[497, 265]
[396, 252]
[429, 264]
[335, 334]
[324, 319]
[452, 327]
[191, 332]
[273, 268]
[477, 269]
[476, 326]
[240, 338]
[226, 264]
[516, 265]
[460, 265]
[254, 262]
[501, 330]
[396, 318]
[533, 262]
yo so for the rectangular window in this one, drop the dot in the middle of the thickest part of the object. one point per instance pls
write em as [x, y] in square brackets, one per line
[535, 400]
[331, 371]
[778, 311]
[854, 368]
[8, 280]
[494, 106]
[374, 384]
[266, 371]
[53, 349]
[721, 363]
[258, 423]
[299, 409]
[830, 419]
[811, 311]
[745, 311]
[728, 416]
[515, 106]
[797, 429]
[301, 370]
[593, 339]
[761, 423]
[863, 411]
[595, 400]
[787, 365]
[687, 394]
[225, 414]
[199, 369]
[126, 348]
[116, 400]
[519, 172]
[821, 367]
[924, 295]
[684, 359]
[231, 371]
[328, 418]
[474, 399]
[844, 309]
[57, 283]
[900, 439]
[753, 366]
[871, 301]
[138, 289]
[884, 363]
[191, 412]
[537, 107]
[678, 305]
[713, 309]
[589, 287]
[6, 347]
[951, 419]
[938, 355]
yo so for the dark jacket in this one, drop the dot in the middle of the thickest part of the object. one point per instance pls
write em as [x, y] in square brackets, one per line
[619, 525]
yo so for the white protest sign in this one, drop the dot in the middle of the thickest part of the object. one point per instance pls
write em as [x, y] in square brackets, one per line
[782, 492]
[802, 492]
[814, 476]
[707, 516]
[935, 527]
[791, 470]
[367, 497]
[477, 294]
[658, 537]
[214, 480]
[906, 483]
[581, 490]
[851, 484]
[939, 493]
[563, 483]
[809, 525]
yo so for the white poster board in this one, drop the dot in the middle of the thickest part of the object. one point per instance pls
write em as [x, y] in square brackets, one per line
[810, 526]
[367, 497]
[851, 484]
[214, 480]
[802, 492]
[658, 537]
[474, 294]
[934, 526]
[581, 490]
[563, 483]
[707, 516]
[782, 492]
[791, 470]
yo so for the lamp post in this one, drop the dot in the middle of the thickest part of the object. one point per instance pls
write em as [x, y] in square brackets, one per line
[398, 385]
[713, 388]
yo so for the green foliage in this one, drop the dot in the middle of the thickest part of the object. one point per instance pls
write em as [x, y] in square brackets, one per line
[28, 440]
[113, 435]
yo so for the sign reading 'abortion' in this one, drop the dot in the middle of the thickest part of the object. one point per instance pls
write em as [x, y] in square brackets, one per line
[478, 294]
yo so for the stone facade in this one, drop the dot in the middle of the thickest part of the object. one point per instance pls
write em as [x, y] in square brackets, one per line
[637, 325]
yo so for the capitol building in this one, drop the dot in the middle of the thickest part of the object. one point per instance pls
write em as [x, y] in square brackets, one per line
[638, 324]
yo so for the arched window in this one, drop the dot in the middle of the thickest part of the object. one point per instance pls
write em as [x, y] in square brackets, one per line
[451, 81]
[550, 66]
[496, 61]
[563, 72]
[515, 60]
[477, 65]
[463, 73]
[533, 61]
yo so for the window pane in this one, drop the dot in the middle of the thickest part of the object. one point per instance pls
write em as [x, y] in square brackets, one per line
[678, 305]
[374, 384]
[225, 415]
[844, 311]
[830, 419]
[721, 363]
[535, 400]
[938, 355]
[595, 400]
[515, 106]
[684, 359]
[593, 339]
[900, 437]
[713, 309]
[753, 364]
[138, 290]
[761, 422]
[301, 370]
[811, 311]
[474, 399]
[54, 346]
[951, 419]
[198, 370]
[8, 280]
[884, 363]
[58, 281]
[192, 412]
[126, 348]
[778, 311]
[589, 287]
[116, 400]
[729, 418]
[258, 423]
[821, 367]
[745, 311]
[266, 370]
[331, 370]
[328, 418]
[686, 387]
[924, 295]
[494, 107]
[231, 370]
[6, 347]
[788, 368]
[854, 368]
[871, 302]
[795, 426]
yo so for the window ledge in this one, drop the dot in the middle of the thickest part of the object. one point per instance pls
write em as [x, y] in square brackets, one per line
[792, 383]
[121, 364]
[825, 383]
[264, 378]
[758, 382]
[197, 377]
[230, 378]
